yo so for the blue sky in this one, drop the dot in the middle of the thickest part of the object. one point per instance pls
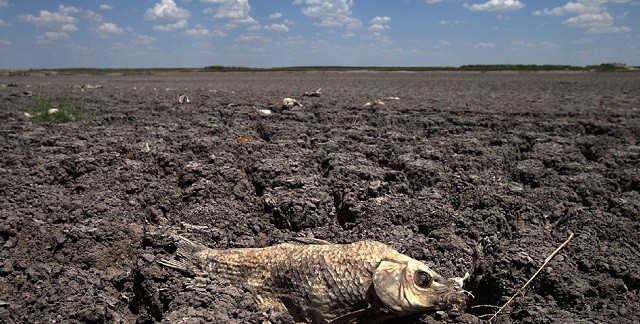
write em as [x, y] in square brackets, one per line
[272, 33]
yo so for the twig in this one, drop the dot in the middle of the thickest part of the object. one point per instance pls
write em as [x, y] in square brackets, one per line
[553, 254]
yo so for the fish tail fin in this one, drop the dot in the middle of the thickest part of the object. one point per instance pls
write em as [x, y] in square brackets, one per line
[186, 256]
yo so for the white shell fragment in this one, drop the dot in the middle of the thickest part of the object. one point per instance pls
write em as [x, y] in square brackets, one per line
[183, 99]
[52, 111]
[28, 115]
[290, 103]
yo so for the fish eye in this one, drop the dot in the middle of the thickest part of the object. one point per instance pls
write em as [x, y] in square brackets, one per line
[422, 279]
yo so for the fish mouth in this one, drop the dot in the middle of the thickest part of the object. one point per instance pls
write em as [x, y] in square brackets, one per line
[453, 299]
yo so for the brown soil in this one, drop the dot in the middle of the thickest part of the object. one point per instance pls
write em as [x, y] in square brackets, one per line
[485, 173]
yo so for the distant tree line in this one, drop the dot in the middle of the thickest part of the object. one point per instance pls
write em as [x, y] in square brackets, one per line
[604, 67]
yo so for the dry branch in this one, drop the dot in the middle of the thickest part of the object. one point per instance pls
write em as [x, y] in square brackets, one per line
[544, 264]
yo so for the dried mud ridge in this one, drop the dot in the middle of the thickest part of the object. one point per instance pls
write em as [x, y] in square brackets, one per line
[484, 173]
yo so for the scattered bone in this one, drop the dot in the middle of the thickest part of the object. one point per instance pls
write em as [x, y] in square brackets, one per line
[183, 99]
[312, 94]
[289, 103]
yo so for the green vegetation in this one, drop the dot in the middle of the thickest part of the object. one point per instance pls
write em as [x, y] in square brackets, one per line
[62, 110]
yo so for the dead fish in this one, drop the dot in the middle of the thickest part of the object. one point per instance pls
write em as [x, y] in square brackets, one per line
[322, 282]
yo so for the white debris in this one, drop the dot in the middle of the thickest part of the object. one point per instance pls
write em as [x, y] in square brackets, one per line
[89, 86]
[459, 281]
[183, 99]
[263, 112]
[375, 103]
[52, 111]
[392, 98]
[28, 115]
[312, 94]
[290, 103]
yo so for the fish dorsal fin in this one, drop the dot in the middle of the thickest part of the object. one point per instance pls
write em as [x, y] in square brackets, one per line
[310, 240]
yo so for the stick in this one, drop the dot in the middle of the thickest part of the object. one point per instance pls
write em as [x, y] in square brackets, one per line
[544, 264]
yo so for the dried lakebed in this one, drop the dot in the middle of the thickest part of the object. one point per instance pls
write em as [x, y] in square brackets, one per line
[478, 173]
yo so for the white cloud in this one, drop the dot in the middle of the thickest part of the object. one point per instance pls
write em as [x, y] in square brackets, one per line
[117, 46]
[277, 27]
[432, 1]
[200, 30]
[378, 37]
[144, 40]
[557, 11]
[59, 21]
[4, 23]
[484, 45]
[583, 41]
[250, 38]
[451, 22]
[536, 46]
[5, 4]
[496, 5]
[236, 11]
[92, 15]
[331, 13]
[4, 42]
[180, 24]
[167, 9]
[68, 10]
[588, 14]
[106, 7]
[275, 15]
[609, 30]
[109, 28]
[379, 23]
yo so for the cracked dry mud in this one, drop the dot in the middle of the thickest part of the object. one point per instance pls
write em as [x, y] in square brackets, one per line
[485, 173]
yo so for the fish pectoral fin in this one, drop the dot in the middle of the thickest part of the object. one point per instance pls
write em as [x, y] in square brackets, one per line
[309, 240]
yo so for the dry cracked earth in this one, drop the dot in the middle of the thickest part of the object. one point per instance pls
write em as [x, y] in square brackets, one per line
[478, 173]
